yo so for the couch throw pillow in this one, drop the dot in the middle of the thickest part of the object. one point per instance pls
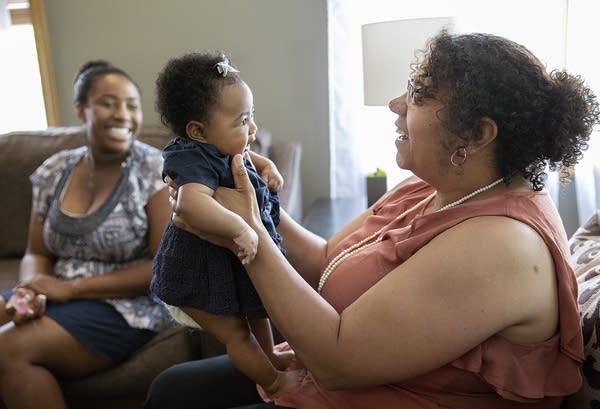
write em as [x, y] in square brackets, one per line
[585, 259]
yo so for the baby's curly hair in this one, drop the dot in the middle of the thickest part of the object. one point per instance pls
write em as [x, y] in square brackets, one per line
[542, 118]
[188, 88]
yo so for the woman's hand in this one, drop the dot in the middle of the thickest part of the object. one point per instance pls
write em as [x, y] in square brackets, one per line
[25, 305]
[52, 287]
[241, 199]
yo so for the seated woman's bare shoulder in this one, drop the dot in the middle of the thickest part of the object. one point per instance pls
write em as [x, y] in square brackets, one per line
[505, 263]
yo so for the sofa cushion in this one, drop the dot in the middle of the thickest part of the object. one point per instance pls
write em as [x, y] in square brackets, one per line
[9, 272]
[18, 163]
[585, 259]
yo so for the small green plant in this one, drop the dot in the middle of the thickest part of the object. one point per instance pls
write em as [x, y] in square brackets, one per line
[379, 173]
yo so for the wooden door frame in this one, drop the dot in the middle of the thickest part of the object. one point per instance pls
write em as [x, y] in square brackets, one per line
[36, 16]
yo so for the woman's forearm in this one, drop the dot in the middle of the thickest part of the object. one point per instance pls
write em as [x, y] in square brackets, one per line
[33, 264]
[131, 281]
[309, 323]
[304, 250]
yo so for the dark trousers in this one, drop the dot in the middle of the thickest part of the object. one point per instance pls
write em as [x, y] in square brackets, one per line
[212, 383]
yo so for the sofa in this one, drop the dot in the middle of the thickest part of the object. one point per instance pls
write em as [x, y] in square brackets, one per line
[585, 259]
[124, 386]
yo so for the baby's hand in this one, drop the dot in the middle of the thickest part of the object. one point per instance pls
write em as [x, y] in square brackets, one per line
[247, 243]
[270, 174]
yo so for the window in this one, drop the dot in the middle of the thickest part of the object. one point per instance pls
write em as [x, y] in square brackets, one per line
[28, 98]
[563, 38]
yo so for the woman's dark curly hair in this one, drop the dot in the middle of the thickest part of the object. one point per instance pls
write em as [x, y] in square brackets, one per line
[89, 73]
[542, 118]
[188, 87]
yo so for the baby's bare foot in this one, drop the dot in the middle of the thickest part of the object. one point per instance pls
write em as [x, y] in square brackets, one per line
[285, 382]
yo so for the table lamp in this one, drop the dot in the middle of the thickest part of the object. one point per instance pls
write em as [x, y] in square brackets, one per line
[388, 50]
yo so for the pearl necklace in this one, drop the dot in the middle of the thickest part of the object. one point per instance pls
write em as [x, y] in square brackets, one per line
[366, 242]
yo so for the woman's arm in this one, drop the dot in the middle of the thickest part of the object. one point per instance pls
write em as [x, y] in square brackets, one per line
[450, 296]
[37, 259]
[306, 251]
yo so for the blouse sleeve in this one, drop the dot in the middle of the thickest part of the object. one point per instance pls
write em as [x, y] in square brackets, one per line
[146, 171]
[44, 181]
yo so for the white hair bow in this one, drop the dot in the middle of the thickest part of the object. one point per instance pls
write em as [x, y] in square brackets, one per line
[224, 68]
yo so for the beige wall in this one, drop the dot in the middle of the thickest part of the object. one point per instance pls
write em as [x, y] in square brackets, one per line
[279, 45]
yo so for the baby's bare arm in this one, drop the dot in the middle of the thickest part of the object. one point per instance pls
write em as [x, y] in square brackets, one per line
[202, 213]
[267, 171]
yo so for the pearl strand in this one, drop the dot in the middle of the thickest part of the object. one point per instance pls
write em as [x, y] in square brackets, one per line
[470, 195]
[364, 243]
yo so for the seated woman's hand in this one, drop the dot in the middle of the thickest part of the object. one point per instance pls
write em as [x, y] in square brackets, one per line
[53, 288]
[25, 305]
[241, 199]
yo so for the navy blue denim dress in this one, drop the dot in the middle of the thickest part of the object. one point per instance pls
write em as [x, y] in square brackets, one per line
[189, 271]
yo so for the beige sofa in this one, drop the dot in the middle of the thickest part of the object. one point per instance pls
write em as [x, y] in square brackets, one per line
[124, 386]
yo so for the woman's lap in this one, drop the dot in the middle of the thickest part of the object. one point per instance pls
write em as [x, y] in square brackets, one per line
[212, 383]
[98, 326]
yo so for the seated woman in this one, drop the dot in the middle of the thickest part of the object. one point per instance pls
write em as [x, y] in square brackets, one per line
[454, 289]
[97, 217]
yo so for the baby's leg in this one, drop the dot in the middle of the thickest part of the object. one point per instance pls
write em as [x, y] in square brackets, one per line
[261, 328]
[286, 380]
[242, 347]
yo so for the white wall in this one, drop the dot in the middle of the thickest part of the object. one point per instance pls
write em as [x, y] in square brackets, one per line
[280, 47]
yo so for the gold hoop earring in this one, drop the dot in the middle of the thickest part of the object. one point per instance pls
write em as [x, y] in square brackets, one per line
[459, 157]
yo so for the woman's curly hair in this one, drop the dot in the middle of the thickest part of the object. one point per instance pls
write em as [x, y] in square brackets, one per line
[188, 87]
[542, 118]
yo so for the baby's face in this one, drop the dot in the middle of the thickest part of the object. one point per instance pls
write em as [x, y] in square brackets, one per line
[231, 128]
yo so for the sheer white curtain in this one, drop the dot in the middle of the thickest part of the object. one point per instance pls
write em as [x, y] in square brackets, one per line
[363, 135]
[581, 58]
[4, 15]
[561, 37]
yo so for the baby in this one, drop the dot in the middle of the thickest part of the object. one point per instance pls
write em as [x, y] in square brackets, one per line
[203, 100]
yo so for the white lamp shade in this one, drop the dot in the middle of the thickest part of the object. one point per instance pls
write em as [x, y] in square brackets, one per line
[388, 50]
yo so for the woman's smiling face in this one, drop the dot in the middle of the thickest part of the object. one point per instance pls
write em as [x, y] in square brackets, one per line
[112, 114]
[420, 131]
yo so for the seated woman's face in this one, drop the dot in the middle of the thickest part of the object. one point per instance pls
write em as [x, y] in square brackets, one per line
[419, 142]
[112, 114]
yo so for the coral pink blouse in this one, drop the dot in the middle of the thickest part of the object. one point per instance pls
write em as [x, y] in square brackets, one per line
[497, 373]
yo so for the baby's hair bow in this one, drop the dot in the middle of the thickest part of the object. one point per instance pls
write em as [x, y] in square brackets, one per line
[224, 68]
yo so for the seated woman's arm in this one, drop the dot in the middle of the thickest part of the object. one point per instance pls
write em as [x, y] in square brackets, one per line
[305, 250]
[37, 259]
[130, 281]
[450, 296]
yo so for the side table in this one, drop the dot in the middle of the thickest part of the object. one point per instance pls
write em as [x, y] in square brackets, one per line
[327, 215]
